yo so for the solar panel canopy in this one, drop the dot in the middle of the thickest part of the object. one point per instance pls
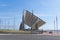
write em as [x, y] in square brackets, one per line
[32, 21]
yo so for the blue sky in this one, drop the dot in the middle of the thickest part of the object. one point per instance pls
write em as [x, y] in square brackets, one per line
[45, 9]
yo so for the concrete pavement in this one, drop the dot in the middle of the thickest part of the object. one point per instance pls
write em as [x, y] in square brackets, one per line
[27, 37]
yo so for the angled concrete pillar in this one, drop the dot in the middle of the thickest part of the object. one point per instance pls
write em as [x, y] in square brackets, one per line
[21, 26]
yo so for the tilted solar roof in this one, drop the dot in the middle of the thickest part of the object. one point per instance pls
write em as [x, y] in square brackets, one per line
[31, 20]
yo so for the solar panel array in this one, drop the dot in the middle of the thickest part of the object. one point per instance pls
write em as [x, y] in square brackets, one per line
[32, 20]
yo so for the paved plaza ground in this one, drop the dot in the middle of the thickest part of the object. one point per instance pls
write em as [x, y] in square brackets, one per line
[28, 37]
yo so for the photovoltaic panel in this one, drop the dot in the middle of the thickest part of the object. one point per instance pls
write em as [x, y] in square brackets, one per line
[32, 20]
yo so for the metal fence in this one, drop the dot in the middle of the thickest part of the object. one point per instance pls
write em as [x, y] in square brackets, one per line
[11, 23]
[7, 23]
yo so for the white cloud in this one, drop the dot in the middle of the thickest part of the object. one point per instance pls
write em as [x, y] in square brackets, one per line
[44, 15]
[44, 3]
[2, 5]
